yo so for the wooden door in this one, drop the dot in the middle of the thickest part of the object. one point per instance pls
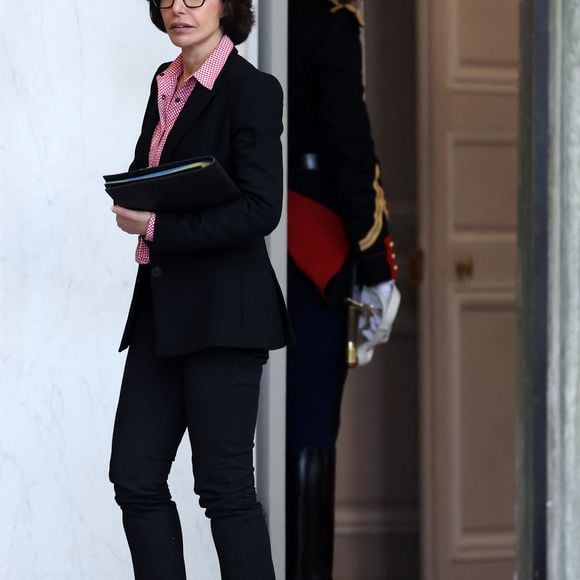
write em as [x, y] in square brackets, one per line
[377, 488]
[468, 61]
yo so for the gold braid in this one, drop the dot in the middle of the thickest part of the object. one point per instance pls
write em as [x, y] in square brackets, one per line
[381, 211]
[338, 5]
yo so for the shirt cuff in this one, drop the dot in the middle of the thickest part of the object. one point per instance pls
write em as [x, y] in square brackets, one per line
[150, 228]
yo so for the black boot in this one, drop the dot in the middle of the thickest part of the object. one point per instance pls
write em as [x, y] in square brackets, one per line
[310, 475]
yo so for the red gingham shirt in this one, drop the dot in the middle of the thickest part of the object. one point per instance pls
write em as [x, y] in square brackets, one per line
[171, 101]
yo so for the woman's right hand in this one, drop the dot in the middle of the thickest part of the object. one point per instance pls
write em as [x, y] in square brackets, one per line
[132, 221]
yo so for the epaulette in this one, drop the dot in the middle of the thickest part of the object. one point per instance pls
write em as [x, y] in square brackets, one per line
[351, 7]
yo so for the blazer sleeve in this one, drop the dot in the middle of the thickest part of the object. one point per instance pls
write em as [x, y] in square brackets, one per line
[348, 151]
[258, 171]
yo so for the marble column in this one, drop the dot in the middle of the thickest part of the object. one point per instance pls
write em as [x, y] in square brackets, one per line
[564, 294]
[75, 80]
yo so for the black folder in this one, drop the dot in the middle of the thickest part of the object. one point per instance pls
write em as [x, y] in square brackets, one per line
[180, 187]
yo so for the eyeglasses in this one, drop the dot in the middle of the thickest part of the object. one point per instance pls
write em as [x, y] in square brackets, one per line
[164, 4]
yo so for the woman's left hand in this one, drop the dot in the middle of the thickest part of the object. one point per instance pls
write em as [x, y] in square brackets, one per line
[131, 221]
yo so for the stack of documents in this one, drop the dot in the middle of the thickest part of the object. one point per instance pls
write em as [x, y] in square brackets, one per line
[189, 185]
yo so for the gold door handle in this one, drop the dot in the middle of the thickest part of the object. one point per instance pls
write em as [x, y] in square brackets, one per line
[464, 269]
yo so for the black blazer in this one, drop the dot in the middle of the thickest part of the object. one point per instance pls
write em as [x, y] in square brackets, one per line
[211, 280]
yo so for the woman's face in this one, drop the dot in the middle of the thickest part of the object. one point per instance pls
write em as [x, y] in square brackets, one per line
[193, 28]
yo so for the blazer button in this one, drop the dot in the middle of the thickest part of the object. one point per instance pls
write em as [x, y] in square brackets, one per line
[156, 272]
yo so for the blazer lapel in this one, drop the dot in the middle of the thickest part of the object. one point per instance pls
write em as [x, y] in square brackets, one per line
[197, 102]
[149, 124]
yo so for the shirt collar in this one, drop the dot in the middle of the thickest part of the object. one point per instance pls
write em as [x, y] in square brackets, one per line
[208, 72]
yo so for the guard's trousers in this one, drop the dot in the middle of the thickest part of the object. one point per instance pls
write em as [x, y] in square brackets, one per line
[214, 395]
[316, 367]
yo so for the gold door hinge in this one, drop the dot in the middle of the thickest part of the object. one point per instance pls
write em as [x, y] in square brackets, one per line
[416, 267]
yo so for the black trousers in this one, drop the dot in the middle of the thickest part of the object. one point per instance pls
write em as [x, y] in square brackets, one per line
[214, 395]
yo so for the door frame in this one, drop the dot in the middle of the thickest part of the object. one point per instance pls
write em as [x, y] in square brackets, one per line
[425, 237]
[533, 291]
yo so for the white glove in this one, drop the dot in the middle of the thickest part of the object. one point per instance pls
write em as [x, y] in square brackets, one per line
[376, 328]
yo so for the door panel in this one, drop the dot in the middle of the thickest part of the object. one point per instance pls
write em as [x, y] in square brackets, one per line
[481, 48]
[482, 179]
[468, 112]
[485, 408]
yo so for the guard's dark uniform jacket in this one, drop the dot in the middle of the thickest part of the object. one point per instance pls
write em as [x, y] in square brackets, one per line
[337, 207]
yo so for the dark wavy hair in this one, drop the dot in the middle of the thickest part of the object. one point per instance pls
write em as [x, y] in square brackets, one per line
[236, 22]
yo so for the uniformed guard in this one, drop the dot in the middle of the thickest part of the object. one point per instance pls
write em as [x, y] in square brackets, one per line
[337, 224]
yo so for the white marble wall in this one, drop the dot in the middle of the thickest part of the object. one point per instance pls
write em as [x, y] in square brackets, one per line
[75, 78]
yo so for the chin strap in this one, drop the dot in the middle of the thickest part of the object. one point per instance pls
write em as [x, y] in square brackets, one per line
[351, 8]
[389, 309]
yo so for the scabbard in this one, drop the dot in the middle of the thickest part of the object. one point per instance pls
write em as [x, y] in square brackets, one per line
[352, 322]
[351, 336]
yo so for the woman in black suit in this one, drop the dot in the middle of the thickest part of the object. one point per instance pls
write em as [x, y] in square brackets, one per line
[206, 306]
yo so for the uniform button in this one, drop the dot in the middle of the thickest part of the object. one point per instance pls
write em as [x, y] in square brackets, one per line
[156, 272]
[391, 244]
